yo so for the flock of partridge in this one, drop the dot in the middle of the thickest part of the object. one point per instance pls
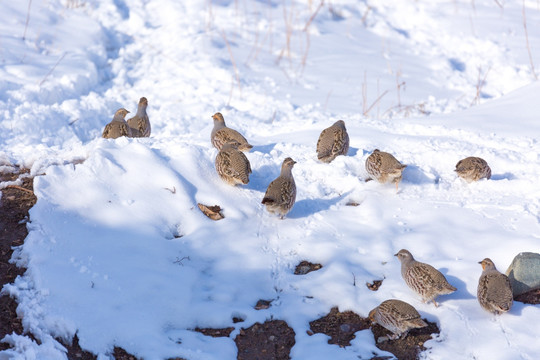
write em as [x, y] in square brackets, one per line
[494, 289]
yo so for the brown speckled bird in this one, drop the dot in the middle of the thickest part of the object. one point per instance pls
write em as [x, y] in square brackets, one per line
[222, 134]
[332, 142]
[118, 126]
[232, 165]
[140, 124]
[473, 169]
[422, 278]
[494, 289]
[384, 167]
[281, 193]
[396, 316]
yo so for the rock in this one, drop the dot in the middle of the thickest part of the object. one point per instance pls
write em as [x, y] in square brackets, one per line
[524, 273]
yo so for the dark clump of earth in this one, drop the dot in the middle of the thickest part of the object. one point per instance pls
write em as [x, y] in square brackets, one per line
[271, 340]
[305, 267]
[409, 347]
[340, 326]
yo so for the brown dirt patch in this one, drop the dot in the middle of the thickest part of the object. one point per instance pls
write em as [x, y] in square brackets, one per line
[375, 285]
[272, 340]
[340, 326]
[306, 267]
[225, 332]
[531, 297]
[411, 346]
[14, 206]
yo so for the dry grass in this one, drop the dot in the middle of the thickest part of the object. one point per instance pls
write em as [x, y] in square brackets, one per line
[527, 41]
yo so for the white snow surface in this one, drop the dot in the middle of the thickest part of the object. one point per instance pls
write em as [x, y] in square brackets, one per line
[118, 252]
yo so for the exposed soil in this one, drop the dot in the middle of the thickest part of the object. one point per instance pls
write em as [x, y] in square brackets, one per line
[375, 285]
[216, 332]
[409, 347]
[272, 340]
[340, 326]
[14, 206]
[306, 267]
[531, 297]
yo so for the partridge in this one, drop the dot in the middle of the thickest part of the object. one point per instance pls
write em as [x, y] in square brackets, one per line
[140, 124]
[384, 167]
[332, 142]
[118, 126]
[396, 316]
[494, 289]
[422, 278]
[281, 193]
[221, 134]
[232, 165]
[473, 169]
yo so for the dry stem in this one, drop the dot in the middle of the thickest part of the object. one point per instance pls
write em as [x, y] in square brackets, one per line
[51, 71]
[27, 19]
[527, 40]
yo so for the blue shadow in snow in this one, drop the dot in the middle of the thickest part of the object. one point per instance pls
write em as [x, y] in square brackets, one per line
[414, 175]
[265, 149]
[306, 207]
[457, 65]
[123, 9]
[352, 151]
[262, 177]
[460, 294]
[505, 176]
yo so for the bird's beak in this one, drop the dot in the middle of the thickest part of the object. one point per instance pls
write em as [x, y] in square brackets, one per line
[395, 254]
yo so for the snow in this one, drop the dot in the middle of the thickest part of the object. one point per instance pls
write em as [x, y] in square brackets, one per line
[118, 252]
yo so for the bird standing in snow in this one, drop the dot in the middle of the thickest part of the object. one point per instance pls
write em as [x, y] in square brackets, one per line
[118, 126]
[397, 316]
[332, 142]
[232, 165]
[281, 193]
[473, 169]
[422, 278]
[494, 289]
[140, 124]
[384, 167]
[221, 134]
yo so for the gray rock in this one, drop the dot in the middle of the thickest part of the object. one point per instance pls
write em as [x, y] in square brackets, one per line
[524, 273]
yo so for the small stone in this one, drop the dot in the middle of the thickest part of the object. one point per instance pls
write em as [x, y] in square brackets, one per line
[524, 273]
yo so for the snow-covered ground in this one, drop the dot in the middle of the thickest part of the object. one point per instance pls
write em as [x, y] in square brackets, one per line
[118, 251]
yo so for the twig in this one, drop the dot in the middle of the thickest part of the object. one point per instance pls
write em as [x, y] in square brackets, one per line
[354, 279]
[364, 17]
[498, 3]
[321, 4]
[19, 188]
[327, 98]
[27, 19]
[179, 260]
[375, 102]
[51, 71]
[236, 73]
[527, 40]
[480, 84]
[173, 191]
[364, 94]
